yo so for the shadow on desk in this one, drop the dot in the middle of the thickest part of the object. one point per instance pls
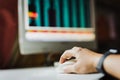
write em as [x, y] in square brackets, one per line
[108, 77]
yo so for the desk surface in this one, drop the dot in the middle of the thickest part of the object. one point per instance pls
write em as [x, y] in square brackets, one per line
[45, 73]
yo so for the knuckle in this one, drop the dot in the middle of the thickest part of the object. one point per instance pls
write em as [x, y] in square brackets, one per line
[75, 47]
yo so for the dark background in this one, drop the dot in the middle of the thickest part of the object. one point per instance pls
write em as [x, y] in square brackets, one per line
[107, 30]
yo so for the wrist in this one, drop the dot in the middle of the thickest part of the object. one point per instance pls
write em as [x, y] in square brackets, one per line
[96, 60]
[100, 66]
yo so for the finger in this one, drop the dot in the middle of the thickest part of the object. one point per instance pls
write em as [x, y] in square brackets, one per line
[77, 48]
[66, 55]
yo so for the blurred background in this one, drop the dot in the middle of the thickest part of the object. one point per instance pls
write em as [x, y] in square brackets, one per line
[107, 13]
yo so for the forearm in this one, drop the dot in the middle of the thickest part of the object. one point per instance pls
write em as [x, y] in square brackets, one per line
[112, 65]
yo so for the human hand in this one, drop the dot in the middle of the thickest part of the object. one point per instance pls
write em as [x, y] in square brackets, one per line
[85, 60]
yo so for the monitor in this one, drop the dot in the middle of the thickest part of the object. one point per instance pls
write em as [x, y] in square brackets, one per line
[55, 25]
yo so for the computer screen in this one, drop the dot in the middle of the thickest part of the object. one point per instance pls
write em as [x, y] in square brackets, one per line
[55, 25]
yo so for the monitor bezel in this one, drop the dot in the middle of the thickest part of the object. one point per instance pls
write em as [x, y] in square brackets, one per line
[28, 47]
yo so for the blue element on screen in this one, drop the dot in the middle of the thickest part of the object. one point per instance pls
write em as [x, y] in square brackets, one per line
[60, 13]
[74, 14]
[46, 8]
[82, 13]
[66, 13]
[29, 2]
[38, 19]
[57, 8]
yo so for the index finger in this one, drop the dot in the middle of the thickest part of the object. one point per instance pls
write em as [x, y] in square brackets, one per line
[66, 55]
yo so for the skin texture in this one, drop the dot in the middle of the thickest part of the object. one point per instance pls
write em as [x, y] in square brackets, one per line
[87, 60]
